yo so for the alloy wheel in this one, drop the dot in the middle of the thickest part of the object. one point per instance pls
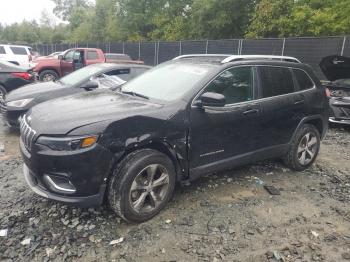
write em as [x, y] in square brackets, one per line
[307, 149]
[149, 189]
[48, 78]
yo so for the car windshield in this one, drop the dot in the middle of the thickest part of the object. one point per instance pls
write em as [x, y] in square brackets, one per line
[167, 82]
[80, 75]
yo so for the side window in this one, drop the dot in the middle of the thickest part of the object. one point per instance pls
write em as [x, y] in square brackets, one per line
[236, 84]
[18, 50]
[303, 80]
[91, 55]
[2, 50]
[69, 56]
[276, 81]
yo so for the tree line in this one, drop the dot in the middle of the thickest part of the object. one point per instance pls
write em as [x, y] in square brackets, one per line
[165, 20]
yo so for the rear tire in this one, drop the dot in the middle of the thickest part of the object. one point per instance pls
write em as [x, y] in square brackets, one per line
[141, 185]
[48, 75]
[304, 148]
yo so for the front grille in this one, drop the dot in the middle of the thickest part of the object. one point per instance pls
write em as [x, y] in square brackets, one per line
[28, 135]
[3, 108]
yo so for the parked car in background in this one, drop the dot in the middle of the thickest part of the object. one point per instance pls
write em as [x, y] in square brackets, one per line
[92, 77]
[16, 54]
[182, 119]
[121, 58]
[13, 77]
[337, 70]
[52, 68]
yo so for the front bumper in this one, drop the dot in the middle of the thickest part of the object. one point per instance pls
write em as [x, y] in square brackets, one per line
[89, 201]
[340, 111]
[85, 170]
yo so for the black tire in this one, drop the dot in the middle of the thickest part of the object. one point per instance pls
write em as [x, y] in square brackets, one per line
[294, 158]
[126, 174]
[48, 75]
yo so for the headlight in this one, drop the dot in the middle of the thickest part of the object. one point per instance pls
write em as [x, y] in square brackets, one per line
[19, 103]
[67, 143]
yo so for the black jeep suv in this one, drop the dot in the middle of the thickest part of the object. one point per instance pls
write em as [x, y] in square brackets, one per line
[185, 118]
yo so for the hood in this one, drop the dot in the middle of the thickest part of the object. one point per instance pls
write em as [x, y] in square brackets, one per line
[335, 67]
[34, 90]
[61, 116]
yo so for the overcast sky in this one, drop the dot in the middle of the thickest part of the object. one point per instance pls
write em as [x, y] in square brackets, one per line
[12, 11]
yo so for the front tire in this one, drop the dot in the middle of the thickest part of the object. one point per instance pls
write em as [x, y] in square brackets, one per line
[141, 185]
[304, 148]
[48, 75]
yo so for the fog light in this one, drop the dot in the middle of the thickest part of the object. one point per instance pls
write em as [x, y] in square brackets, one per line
[60, 184]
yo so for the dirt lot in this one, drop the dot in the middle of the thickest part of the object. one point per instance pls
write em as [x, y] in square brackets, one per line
[227, 216]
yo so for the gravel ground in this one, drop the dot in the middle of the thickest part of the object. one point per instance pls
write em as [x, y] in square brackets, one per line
[227, 216]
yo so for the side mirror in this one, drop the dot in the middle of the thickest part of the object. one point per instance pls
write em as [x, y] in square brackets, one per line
[212, 100]
[60, 57]
[90, 85]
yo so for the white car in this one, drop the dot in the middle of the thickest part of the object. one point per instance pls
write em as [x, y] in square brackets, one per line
[17, 54]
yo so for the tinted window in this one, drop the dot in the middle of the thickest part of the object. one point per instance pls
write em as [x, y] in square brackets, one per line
[303, 80]
[91, 55]
[2, 50]
[276, 81]
[235, 84]
[18, 50]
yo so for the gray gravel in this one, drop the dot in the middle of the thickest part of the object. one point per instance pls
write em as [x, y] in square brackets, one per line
[227, 216]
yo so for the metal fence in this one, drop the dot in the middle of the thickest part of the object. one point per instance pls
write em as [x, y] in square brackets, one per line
[308, 50]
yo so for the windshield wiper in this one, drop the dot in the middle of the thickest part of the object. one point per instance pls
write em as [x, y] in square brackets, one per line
[134, 94]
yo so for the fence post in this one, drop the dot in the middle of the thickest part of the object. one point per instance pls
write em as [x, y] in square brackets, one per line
[206, 47]
[343, 47]
[158, 53]
[180, 49]
[123, 47]
[139, 50]
[283, 46]
[155, 53]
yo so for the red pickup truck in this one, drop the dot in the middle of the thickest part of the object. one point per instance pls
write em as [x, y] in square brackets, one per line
[52, 68]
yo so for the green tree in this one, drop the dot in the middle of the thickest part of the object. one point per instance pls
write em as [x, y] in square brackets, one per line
[215, 19]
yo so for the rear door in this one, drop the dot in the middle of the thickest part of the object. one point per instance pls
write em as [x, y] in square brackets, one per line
[92, 57]
[281, 105]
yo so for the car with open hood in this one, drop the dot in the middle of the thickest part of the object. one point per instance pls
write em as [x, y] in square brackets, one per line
[87, 79]
[182, 119]
[337, 70]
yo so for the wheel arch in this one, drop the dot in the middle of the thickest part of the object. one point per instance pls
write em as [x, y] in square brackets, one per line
[162, 147]
[317, 121]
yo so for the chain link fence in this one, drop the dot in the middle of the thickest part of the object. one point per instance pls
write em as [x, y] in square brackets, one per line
[308, 50]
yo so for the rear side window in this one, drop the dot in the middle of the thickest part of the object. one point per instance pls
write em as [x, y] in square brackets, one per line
[18, 50]
[276, 81]
[303, 80]
[91, 55]
[236, 84]
[2, 50]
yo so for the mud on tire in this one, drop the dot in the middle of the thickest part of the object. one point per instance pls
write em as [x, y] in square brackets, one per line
[141, 185]
[304, 148]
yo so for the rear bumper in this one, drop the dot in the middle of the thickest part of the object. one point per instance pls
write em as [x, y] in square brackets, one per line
[88, 201]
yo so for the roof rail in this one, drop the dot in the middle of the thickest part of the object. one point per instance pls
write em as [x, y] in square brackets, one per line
[201, 55]
[260, 57]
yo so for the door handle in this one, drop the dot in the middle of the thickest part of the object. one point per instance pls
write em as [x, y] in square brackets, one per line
[299, 102]
[251, 112]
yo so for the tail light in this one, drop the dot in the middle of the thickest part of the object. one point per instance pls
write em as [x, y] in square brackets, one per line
[24, 75]
[328, 93]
